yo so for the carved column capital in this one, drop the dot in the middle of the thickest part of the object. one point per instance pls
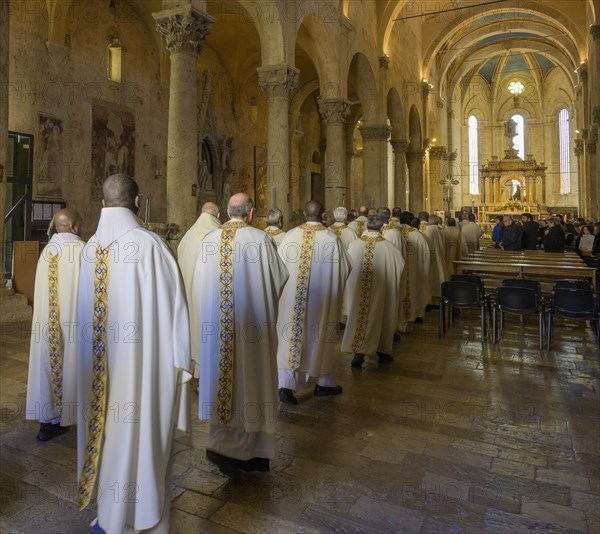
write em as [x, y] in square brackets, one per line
[582, 73]
[426, 89]
[333, 111]
[277, 80]
[451, 114]
[376, 133]
[595, 31]
[579, 145]
[384, 61]
[399, 145]
[183, 29]
[438, 152]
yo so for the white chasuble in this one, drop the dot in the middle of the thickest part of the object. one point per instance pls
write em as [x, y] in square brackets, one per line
[240, 280]
[456, 246]
[134, 362]
[52, 378]
[372, 291]
[416, 272]
[276, 234]
[187, 253]
[344, 232]
[471, 232]
[310, 304]
[437, 270]
[359, 225]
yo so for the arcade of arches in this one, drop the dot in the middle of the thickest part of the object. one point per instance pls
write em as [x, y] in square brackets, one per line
[348, 102]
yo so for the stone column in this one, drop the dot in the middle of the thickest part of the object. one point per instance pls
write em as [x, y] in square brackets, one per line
[594, 154]
[414, 159]
[400, 146]
[438, 170]
[375, 153]
[277, 81]
[333, 113]
[4, 28]
[183, 29]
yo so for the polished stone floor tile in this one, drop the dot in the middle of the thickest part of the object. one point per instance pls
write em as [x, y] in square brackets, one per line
[455, 436]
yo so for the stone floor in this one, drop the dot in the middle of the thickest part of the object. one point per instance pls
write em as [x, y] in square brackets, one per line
[454, 436]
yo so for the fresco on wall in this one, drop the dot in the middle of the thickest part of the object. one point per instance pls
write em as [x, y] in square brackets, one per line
[113, 143]
[49, 158]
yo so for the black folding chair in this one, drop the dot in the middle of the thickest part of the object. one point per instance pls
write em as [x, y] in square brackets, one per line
[573, 284]
[524, 284]
[474, 279]
[574, 304]
[456, 294]
[518, 301]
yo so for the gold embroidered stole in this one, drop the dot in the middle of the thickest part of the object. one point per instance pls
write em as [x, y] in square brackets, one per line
[273, 231]
[301, 296]
[226, 320]
[422, 227]
[360, 225]
[366, 282]
[99, 382]
[337, 229]
[54, 334]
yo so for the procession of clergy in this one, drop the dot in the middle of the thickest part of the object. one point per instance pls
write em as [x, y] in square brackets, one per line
[253, 314]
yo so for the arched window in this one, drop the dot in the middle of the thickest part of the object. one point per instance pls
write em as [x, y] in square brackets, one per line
[564, 141]
[473, 156]
[519, 139]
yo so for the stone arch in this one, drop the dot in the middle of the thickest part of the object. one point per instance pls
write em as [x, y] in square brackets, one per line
[267, 23]
[395, 113]
[324, 54]
[362, 87]
[414, 129]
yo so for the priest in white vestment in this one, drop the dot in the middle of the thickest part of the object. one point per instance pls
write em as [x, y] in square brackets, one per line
[390, 232]
[455, 243]
[274, 227]
[373, 284]
[134, 365]
[52, 377]
[187, 253]
[437, 251]
[359, 225]
[239, 279]
[416, 271]
[471, 232]
[340, 228]
[309, 307]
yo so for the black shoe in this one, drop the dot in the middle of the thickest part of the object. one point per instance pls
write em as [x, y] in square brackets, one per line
[419, 320]
[227, 466]
[397, 336]
[49, 431]
[342, 326]
[254, 464]
[322, 391]
[384, 358]
[357, 361]
[287, 396]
